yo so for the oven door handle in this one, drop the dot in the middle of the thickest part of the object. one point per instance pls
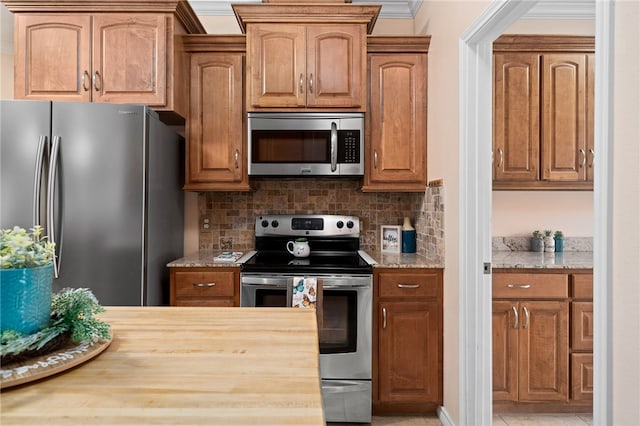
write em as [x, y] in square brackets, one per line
[271, 282]
[344, 287]
[342, 386]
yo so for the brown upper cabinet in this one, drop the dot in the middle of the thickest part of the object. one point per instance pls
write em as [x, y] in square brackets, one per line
[216, 155]
[108, 52]
[396, 122]
[543, 112]
[306, 57]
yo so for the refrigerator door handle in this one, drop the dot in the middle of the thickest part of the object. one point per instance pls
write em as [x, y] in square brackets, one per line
[51, 189]
[37, 179]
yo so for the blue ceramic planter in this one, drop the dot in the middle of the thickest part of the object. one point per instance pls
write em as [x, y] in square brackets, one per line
[25, 299]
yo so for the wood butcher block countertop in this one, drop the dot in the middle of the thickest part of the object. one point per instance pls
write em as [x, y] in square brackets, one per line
[185, 366]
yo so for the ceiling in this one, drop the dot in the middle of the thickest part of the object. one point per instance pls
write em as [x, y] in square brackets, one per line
[543, 9]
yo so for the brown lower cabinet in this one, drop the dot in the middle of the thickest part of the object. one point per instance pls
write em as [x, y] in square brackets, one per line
[542, 341]
[193, 286]
[407, 341]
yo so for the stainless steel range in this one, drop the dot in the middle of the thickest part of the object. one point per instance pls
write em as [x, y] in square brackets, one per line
[347, 297]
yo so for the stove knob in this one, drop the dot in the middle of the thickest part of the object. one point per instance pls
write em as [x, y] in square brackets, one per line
[274, 223]
[350, 224]
[265, 223]
[340, 224]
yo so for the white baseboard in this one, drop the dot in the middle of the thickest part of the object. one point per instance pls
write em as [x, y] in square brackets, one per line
[444, 416]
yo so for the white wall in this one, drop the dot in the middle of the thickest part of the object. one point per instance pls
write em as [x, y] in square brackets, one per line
[626, 217]
[445, 21]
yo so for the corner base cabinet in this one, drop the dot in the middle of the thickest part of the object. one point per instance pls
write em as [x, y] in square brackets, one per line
[407, 352]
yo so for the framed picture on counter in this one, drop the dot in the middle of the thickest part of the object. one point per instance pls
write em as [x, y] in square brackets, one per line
[390, 236]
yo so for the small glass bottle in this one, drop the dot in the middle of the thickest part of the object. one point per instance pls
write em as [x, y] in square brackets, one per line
[408, 237]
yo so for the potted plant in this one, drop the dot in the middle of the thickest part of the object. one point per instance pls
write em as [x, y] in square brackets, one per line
[537, 244]
[549, 243]
[26, 275]
[558, 237]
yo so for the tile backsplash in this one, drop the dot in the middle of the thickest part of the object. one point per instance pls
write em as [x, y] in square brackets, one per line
[230, 216]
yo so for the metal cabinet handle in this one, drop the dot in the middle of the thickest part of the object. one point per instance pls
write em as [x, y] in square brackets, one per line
[203, 284]
[516, 319]
[408, 285]
[375, 159]
[583, 154]
[97, 81]
[300, 82]
[85, 76]
[384, 318]
[235, 156]
[519, 285]
[51, 217]
[526, 316]
[500, 157]
[311, 83]
[593, 157]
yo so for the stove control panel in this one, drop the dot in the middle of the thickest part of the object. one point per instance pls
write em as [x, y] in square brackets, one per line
[308, 225]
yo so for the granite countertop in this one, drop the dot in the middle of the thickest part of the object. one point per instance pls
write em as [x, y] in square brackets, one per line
[535, 260]
[204, 259]
[405, 260]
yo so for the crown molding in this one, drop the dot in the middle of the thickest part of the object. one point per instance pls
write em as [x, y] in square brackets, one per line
[562, 9]
[390, 8]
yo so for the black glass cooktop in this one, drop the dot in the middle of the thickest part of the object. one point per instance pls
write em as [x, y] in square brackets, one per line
[319, 262]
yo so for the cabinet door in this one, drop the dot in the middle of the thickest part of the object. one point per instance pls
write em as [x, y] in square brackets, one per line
[582, 377]
[591, 68]
[582, 326]
[215, 151]
[505, 324]
[397, 130]
[544, 351]
[409, 351]
[276, 65]
[129, 54]
[516, 131]
[336, 75]
[564, 112]
[52, 59]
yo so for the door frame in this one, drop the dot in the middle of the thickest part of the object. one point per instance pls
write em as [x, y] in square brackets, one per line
[475, 56]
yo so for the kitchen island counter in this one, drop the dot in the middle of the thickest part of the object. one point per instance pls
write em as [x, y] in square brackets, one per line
[175, 365]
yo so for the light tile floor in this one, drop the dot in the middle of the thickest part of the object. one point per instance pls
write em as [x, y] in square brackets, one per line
[512, 419]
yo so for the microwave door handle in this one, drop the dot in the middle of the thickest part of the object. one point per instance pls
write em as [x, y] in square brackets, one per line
[334, 147]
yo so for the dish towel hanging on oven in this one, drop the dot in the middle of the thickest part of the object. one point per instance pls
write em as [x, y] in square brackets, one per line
[304, 293]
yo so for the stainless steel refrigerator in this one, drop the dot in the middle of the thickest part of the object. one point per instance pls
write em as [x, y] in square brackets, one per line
[105, 181]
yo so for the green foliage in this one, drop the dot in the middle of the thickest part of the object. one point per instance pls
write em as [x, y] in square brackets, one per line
[536, 234]
[72, 311]
[21, 249]
[558, 234]
[547, 232]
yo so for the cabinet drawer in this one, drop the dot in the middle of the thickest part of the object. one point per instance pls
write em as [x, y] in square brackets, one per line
[408, 285]
[582, 286]
[204, 284]
[530, 286]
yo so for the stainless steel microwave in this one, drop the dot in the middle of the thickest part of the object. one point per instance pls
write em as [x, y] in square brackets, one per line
[306, 144]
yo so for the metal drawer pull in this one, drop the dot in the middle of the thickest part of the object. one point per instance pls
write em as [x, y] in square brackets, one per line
[311, 83]
[408, 285]
[384, 318]
[583, 156]
[85, 75]
[593, 156]
[519, 285]
[501, 157]
[204, 284]
[300, 82]
[515, 313]
[526, 317]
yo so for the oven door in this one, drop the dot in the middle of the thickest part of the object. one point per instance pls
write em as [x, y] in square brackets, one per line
[345, 331]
